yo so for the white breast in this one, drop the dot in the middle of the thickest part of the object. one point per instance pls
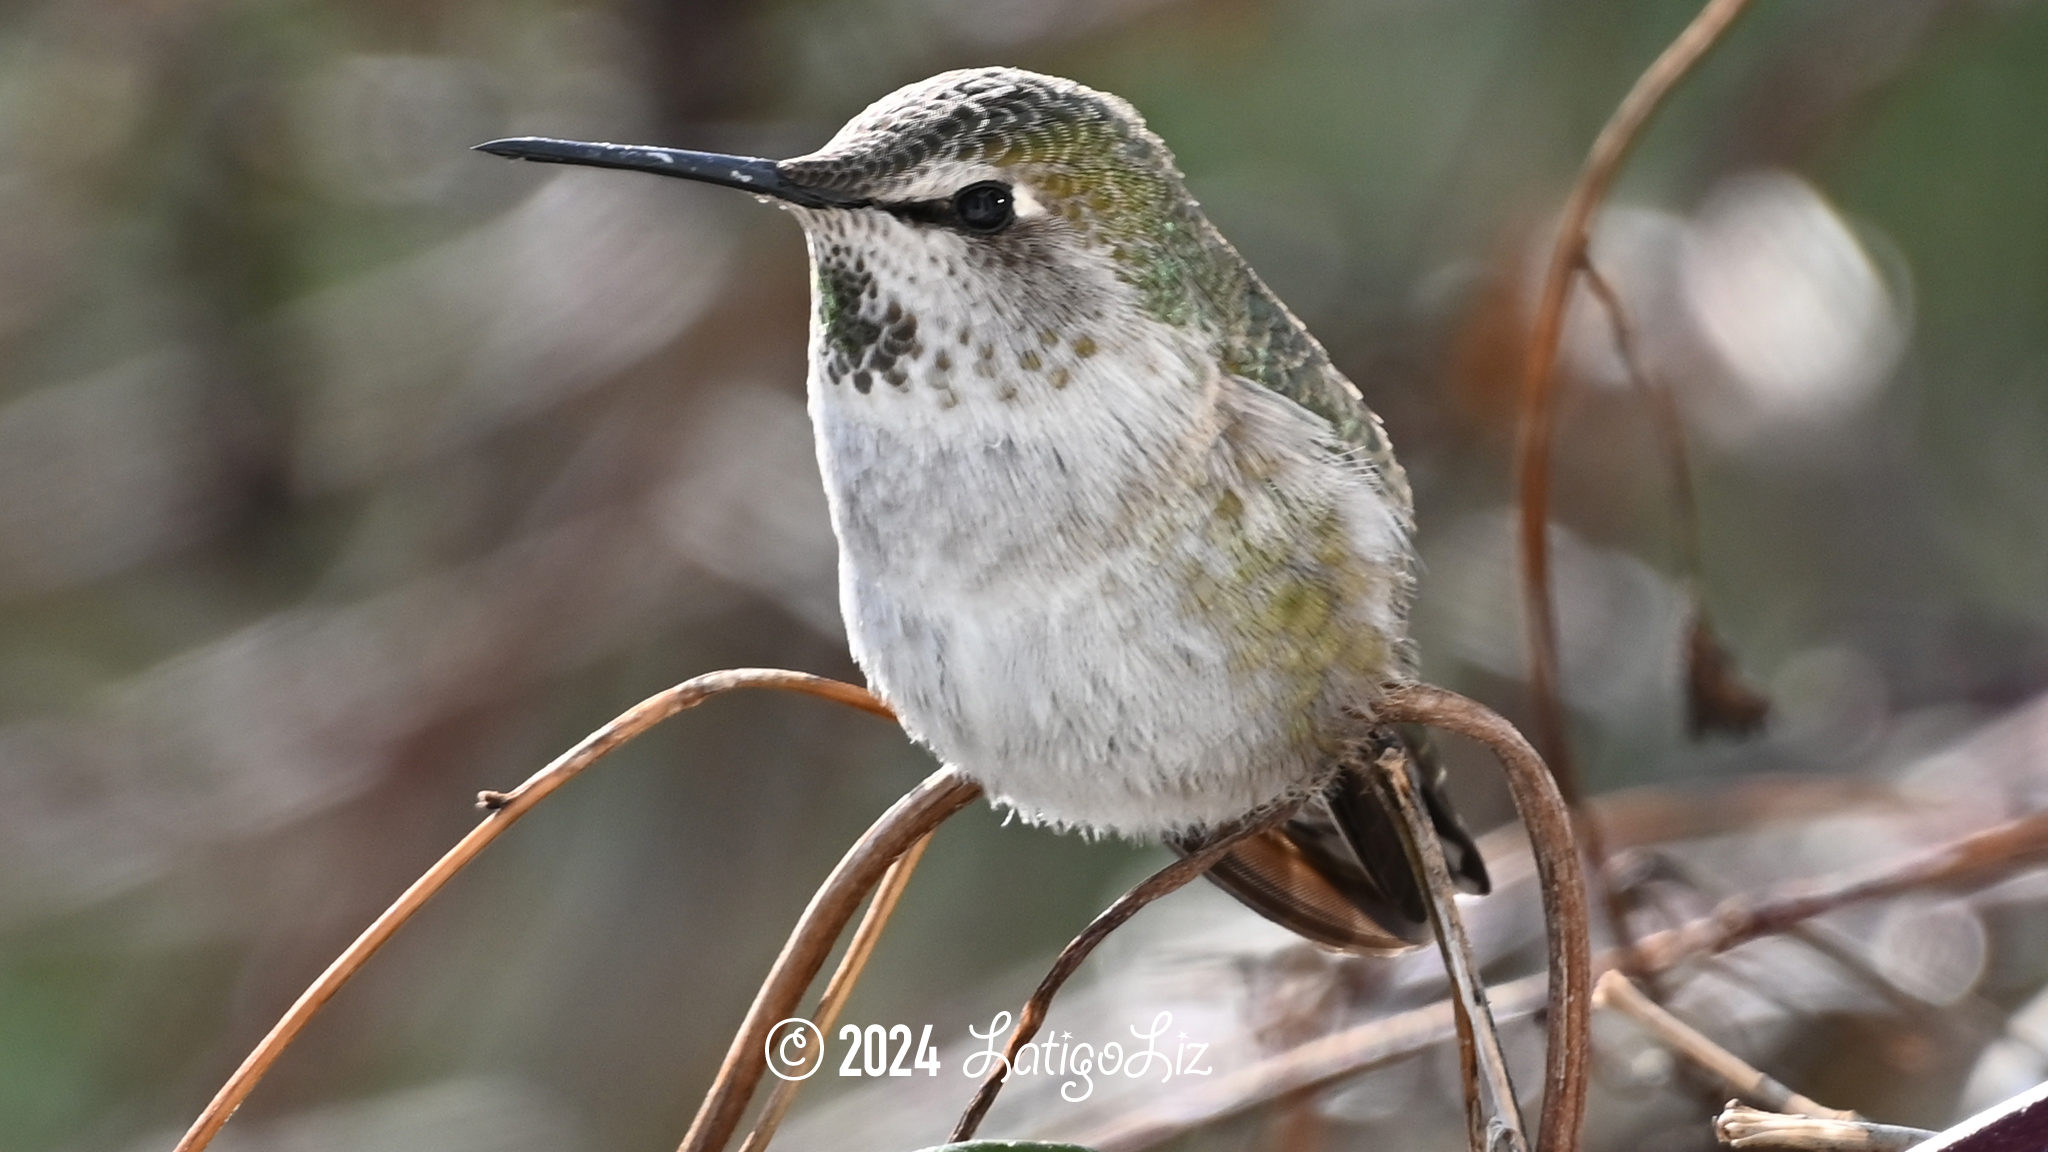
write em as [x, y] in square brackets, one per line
[1118, 588]
[1036, 583]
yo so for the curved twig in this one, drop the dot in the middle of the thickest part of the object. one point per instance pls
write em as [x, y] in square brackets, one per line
[1539, 391]
[1551, 841]
[505, 808]
[1168, 879]
[922, 809]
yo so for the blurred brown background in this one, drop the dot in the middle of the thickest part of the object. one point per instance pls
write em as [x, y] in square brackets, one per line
[345, 472]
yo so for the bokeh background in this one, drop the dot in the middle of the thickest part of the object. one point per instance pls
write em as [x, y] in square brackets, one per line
[345, 472]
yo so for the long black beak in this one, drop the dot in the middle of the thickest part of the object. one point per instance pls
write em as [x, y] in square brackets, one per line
[746, 173]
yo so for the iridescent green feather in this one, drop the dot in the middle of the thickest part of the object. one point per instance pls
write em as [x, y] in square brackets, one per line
[1089, 157]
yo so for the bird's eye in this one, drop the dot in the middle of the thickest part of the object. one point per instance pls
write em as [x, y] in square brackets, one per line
[985, 207]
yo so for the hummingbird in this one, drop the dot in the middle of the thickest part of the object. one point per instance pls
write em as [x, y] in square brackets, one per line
[1116, 540]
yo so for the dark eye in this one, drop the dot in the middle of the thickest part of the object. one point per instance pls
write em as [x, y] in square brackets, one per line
[984, 207]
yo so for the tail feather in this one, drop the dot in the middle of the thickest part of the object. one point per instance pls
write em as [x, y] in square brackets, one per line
[1460, 852]
[1336, 872]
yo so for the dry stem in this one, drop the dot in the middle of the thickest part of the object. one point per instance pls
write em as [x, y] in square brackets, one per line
[505, 808]
[1539, 392]
[1616, 991]
[1478, 1040]
[1539, 402]
[922, 809]
[1741, 1127]
[1972, 861]
[1972, 1014]
[1563, 883]
[840, 986]
[1168, 879]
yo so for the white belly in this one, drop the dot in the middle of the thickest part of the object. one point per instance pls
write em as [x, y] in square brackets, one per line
[1093, 700]
[1139, 635]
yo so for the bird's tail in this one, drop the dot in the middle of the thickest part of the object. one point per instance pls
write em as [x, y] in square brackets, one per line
[1336, 872]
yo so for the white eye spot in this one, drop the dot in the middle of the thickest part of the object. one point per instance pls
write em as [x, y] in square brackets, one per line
[1024, 203]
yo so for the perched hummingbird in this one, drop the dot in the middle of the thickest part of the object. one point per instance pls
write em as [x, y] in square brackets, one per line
[1115, 538]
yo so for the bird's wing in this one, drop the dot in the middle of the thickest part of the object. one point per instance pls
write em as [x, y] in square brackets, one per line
[1336, 872]
[1265, 343]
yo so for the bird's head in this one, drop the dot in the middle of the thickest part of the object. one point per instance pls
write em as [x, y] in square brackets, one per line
[1015, 216]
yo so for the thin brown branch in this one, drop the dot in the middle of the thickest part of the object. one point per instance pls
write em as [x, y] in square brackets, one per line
[1663, 416]
[1971, 1016]
[906, 822]
[1969, 862]
[505, 808]
[1393, 778]
[1741, 1127]
[1539, 392]
[1538, 416]
[1168, 879]
[865, 936]
[1562, 880]
[1616, 991]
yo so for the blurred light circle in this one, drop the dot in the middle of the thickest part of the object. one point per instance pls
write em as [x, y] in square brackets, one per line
[1934, 951]
[2012, 1063]
[1830, 703]
[1788, 298]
